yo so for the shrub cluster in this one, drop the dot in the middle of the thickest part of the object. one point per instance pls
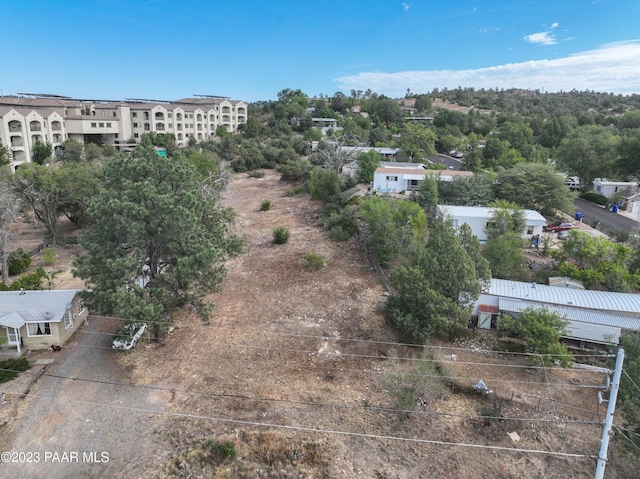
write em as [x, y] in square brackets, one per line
[9, 368]
[265, 205]
[596, 198]
[314, 262]
[281, 235]
[19, 261]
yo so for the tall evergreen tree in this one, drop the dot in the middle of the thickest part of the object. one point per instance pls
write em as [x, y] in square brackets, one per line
[157, 239]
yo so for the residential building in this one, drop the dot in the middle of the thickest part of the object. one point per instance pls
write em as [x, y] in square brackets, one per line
[400, 179]
[477, 218]
[598, 317]
[611, 188]
[33, 320]
[24, 120]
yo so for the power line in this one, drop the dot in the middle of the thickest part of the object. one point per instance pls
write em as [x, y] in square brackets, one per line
[626, 437]
[356, 340]
[313, 430]
[312, 352]
[629, 378]
[402, 373]
[288, 401]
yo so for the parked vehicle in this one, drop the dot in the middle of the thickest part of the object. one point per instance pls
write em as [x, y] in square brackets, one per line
[456, 154]
[557, 227]
[563, 235]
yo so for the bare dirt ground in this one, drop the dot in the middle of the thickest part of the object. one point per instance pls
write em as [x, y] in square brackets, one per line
[294, 369]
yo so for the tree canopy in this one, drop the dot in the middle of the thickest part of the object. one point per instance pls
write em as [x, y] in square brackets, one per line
[157, 239]
[534, 186]
[434, 288]
[541, 329]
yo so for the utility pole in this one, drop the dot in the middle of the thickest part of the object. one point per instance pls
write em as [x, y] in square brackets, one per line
[606, 431]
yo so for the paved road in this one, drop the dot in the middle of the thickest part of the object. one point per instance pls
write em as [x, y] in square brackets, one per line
[608, 221]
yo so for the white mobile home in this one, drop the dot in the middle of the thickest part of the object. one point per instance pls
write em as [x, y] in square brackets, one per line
[477, 218]
[594, 316]
[611, 188]
[399, 179]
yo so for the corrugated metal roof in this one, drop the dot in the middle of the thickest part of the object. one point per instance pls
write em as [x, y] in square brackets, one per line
[575, 314]
[35, 306]
[541, 293]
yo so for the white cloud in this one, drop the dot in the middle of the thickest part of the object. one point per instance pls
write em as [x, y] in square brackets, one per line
[543, 38]
[611, 68]
[405, 6]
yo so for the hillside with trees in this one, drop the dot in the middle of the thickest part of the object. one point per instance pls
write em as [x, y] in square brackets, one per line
[156, 238]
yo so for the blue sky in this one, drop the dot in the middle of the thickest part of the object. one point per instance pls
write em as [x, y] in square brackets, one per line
[250, 50]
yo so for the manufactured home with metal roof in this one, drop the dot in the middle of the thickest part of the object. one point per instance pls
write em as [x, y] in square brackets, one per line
[594, 316]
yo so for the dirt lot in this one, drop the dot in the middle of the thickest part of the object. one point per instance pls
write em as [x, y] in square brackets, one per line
[294, 369]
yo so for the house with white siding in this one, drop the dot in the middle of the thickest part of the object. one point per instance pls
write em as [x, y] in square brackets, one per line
[477, 218]
[400, 179]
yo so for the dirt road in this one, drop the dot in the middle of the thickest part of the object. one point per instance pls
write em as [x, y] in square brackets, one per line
[74, 428]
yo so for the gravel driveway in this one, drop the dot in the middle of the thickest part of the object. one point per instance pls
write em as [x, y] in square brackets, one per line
[72, 429]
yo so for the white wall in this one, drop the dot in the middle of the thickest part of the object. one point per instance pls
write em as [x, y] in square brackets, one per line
[382, 184]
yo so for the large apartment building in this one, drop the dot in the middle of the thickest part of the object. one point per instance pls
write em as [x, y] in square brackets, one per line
[25, 120]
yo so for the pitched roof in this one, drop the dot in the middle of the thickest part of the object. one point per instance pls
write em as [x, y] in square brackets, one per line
[35, 306]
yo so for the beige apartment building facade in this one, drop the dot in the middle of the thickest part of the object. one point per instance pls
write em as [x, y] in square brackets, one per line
[25, 120]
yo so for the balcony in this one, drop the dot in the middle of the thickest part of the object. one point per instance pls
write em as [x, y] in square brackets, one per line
[15, 126]
[17, 141]
[35, 126]
[56, 126]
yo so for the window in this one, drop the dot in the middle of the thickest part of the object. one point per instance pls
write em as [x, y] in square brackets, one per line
[68, 320]
[136, 135]
[135, 125]
[529, 229]
[94, 125]
[39, 329]
[392, 178]
[169, 115]
[135, 114]
[114, 113]
[108, 125]
[80, 306]
[101, 125]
